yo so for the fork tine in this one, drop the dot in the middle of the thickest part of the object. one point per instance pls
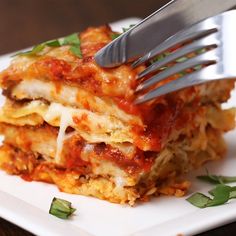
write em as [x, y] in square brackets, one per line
[194, 78]
[199, 30]
[205, 58]
[208, 41]
[165, 89]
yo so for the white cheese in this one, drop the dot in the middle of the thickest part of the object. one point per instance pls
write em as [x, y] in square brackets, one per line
[64, 123]
[88, 148]
[92, 127]
[119, 181]
[58, 112]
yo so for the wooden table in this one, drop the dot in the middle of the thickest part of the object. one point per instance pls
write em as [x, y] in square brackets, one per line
[28, 22]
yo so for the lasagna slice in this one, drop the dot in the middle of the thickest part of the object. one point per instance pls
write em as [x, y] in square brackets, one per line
[69, 122]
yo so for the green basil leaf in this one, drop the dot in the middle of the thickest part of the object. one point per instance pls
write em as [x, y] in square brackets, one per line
[25, 53]
[221, 195]
[35, 50]
[76, 51]
[232, 194]
[115, 35]
[158, 58]
[126, 29]
[228, 179]
[61, 208]
[58, 214]
[217, 179]
[53, 43]
[202, 50]
[72, 39]
[198, 67]
[209, 179]
[182, 73]
[181, 59]
[199, 200]
[38, 48]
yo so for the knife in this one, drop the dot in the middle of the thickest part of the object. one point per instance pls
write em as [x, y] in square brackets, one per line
[160, 25]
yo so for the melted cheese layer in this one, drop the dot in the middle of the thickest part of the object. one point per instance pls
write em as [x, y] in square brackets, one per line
[92, 127]
[69, 96]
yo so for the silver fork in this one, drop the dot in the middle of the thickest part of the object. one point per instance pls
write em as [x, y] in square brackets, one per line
[215, 37]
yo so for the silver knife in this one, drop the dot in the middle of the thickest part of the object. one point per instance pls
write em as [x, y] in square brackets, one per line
[163, 23]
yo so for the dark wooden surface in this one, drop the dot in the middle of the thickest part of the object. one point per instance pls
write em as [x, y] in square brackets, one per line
[26, 22]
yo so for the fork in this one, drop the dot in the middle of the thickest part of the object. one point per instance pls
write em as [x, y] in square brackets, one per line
[214, 38]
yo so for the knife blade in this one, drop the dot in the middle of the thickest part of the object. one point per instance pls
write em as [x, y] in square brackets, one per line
[160, 25]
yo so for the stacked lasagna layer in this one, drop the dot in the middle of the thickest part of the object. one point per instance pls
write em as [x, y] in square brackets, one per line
[69, 122]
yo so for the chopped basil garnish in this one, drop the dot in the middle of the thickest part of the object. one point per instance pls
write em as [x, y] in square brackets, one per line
[202, 50]
[126, 29]
[198, 67]
[116, 35]
[160, 57]
[181, 59]
[233, 193]
[199, 200]
[53, 43]
[217, 179]
[61, 208]
[220, 194]
[76, 51]
[33, 52]
[72, 40]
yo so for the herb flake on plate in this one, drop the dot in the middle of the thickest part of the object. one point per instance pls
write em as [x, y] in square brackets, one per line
[217, 179]
[220, 195]
[199, 200]
[61, 208]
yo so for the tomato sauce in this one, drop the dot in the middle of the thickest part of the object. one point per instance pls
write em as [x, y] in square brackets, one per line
[73, 158]
[138, 163]
[127, 106]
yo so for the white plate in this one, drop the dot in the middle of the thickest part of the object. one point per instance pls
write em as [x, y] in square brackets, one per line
[27, 203]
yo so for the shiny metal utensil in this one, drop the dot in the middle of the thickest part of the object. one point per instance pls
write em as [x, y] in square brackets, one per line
[213, 44]
[168, 20]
